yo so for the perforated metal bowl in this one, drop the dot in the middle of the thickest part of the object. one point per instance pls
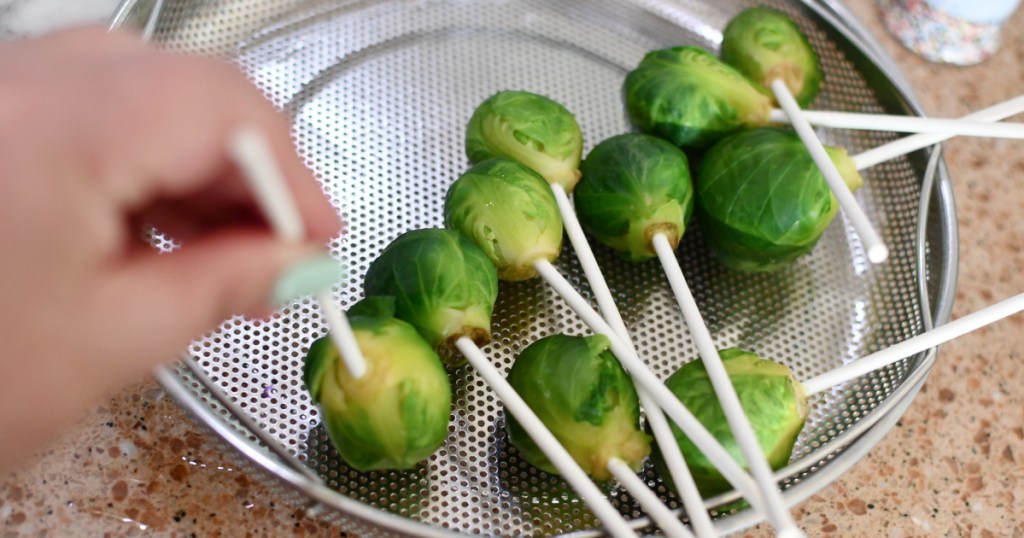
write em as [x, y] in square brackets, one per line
[380, 93]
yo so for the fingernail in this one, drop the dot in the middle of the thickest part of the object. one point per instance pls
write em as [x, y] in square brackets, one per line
[306, 278]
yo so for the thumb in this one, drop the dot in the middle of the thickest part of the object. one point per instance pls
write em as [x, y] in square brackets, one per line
[156, 304]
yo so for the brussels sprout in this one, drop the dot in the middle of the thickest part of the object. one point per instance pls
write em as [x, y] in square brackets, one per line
[397, 414]
[508, 211]
[772, 398]
[765, 44]
[531, 129]
[635, 186]
[688, 97]
[580, 392]
[761, 200]
[443, 285]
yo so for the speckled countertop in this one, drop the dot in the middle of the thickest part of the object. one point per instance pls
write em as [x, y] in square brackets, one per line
[953, 466]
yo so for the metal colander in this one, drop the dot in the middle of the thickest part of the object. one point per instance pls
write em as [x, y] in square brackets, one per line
[380, 93]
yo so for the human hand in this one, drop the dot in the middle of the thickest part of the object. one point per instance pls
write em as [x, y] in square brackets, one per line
[100, 136]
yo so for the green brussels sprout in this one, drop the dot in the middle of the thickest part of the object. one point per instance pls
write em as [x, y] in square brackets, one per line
[397, 414]
[688, 97]
[580, 392]
[765, 44]
[761, 200]
[531, 129]
[635, 186]
[772, 398]
[443, 285]
[508, 211]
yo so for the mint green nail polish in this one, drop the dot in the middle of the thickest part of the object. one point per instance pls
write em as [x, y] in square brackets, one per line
[306, 278]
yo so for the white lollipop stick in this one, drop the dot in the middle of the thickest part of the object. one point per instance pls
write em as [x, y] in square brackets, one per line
[342, 336]
[908, 144]
[663, 397]
[251, 152]
[677, 469]
[905, 124]
[876, 249]
[734, 414]
[556, 453]
[659, 513]
[917, 344]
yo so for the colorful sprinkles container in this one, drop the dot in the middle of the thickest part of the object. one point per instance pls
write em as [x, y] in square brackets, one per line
[961, 32]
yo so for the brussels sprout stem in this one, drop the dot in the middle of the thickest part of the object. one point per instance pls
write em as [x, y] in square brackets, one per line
[674, 461]
[665, 231]
[917, 344]
[906, 145]
[730, 402]
[790, 73]
[905, 124]
[876, 249]
[662, 396]
[658, 512]
[570, 470]
[249, 148]
[449, 350]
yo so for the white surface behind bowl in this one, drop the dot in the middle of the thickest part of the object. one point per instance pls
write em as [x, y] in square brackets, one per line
[23, 18]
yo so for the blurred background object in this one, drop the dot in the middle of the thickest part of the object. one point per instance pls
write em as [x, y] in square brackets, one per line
[960, 32]
[23, 18]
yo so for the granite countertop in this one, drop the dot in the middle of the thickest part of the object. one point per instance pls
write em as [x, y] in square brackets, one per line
[953, 466]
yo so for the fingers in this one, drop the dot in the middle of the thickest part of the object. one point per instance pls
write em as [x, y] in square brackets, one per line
[159, 303]
[211, 210]
[184, 221]
[201, 103]
[147, 126]
[92, 39]
[77, 42]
